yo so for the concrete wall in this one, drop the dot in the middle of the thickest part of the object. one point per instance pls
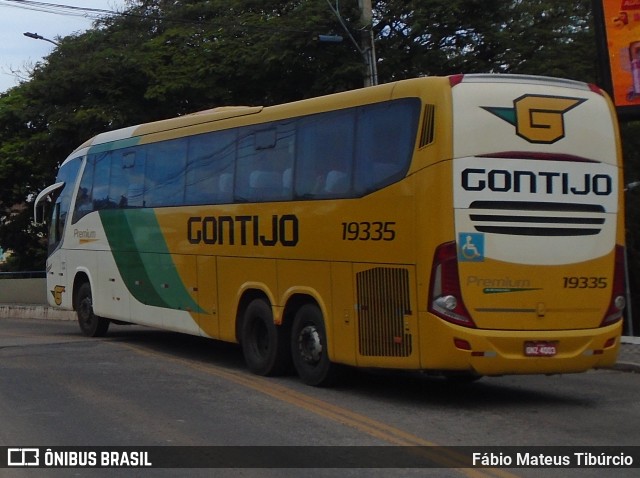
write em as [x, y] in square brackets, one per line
[27, 299]
[23, 291]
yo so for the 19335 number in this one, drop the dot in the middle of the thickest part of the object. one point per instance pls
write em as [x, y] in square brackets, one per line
[582, 282]
[368, 231]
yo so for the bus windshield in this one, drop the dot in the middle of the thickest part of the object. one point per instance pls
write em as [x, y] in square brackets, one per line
[67, 176]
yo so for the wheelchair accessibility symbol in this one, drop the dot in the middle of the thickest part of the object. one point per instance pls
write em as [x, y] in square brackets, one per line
[470, 247]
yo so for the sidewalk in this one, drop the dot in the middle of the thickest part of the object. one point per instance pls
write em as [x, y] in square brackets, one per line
[628, 358]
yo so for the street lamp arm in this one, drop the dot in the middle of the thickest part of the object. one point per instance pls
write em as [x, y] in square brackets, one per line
[35, 36]
[353, 40]
[367, 50]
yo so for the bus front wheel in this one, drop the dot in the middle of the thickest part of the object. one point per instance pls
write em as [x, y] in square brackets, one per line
[91, 325]
[309, 347]
[264, 344]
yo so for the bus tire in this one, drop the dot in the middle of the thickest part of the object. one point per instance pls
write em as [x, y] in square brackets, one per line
[91, 325]
[309, 347]
[264, 345]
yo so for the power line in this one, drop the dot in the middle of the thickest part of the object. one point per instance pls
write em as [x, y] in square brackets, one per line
[99, 13]
[55, 8]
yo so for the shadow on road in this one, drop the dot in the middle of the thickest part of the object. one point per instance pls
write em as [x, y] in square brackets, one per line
[399, 387]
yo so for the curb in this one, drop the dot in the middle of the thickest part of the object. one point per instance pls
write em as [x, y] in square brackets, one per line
[630, 340]
[626, 367]
[629, 355]
[31, 311]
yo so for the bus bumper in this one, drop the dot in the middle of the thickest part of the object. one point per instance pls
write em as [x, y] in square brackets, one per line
[503, 352]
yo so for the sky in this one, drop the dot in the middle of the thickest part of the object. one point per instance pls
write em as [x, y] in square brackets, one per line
[18, 53]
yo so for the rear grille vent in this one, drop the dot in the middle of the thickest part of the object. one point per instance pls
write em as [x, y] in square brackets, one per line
[383, 302]
[428, 125]
[521, 218]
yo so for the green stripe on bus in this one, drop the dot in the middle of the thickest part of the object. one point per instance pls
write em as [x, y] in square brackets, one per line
[113, 145]
[151, 277]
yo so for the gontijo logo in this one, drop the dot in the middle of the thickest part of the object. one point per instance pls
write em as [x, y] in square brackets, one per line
[57, 294]
[537, 118]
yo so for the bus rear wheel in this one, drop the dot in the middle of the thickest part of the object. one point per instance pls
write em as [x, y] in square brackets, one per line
[309, 347]
[264, 345]
[91, 325]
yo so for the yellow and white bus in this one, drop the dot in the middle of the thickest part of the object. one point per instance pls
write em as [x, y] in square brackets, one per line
[468, 225]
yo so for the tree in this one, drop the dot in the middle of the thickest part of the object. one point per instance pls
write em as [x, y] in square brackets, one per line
[162, 58]
[195, 54]
[436, 37]
[21, 174]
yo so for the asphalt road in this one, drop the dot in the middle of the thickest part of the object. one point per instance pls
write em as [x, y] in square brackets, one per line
[144, 387]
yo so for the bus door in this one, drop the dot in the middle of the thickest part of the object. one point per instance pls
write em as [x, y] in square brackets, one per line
[61, 193]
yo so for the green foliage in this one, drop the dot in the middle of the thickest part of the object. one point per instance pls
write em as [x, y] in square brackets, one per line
[196, 54]
[436, 37]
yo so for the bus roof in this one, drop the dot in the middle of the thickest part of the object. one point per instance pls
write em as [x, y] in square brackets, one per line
[199, 117]
[522, 79]
[317, 104]
[345, 99]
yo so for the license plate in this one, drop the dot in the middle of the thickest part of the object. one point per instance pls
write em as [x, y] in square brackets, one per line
[540, 349]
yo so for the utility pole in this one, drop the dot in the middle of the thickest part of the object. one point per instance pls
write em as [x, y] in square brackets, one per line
[366, 47]
[367, 44]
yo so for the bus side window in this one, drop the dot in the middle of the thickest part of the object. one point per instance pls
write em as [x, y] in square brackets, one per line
[166, 164]
[325, 155]
[127, 178]
[385, 139]
[245, 165]
[93, 191]
[265, 159]
[209, 175]
[101, 177]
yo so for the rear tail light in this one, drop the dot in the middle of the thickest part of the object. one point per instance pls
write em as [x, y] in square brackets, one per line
[445, 298]
[595, 89]
[618, 301]
[455, 79]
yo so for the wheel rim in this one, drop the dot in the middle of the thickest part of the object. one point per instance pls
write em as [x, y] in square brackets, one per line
[310, 345]
[85, 310]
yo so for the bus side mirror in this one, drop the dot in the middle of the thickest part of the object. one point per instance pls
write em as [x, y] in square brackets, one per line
[40, 213]
[39, 206]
